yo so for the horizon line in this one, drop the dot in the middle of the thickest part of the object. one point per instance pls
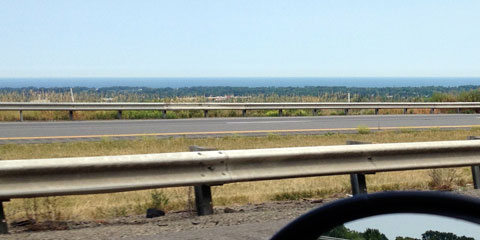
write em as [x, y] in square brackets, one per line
[230, 77]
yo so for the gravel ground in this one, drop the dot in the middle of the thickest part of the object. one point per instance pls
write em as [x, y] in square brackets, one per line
[254, 221]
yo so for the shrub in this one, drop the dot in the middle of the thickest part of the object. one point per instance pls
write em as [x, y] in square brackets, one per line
[271, 113]
[443, 179]
[363, 129]
[171, 115]
[158, 200]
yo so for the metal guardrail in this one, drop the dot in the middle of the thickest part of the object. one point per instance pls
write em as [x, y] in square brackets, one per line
[88, 175]
[85, 175]
[31, 106]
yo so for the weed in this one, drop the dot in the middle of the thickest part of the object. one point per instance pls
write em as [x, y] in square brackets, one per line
[296, 113]
[271, 113]
[224, 201]
[119, 211]
[158, 199]
[171, 115]
[475, 128]
[442, 179]
[368, 112]
[272, 136]
[293, 195]
[406, 130]
[42, 209]
[361, 129]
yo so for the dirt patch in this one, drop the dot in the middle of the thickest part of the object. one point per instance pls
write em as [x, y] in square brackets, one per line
[174, 223]
[139, 225]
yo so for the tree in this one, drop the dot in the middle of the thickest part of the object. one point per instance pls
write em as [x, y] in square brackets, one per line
[435, 235]
[373, 234]
[343, 232]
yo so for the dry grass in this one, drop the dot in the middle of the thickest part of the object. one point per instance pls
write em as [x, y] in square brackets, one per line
[102, 206]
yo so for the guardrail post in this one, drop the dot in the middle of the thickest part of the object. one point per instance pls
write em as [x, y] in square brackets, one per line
[3, 220]
[203, 200]
[244, 112]
[70, 115]
[280, 112]
[357, 180]
[359, 184]
[376, 111]
[205, 113]
[346, 111]
[458, 110]
[203, 193]
[314, 112]
[476, 176]
[475, 168]
[164, 114]
[432, 111]
[21, 116]
[405, 110]
[119, 114]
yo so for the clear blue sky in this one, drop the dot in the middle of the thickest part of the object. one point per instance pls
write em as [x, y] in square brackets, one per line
[239, 38]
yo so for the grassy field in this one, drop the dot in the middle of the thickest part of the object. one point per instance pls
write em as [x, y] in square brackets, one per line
[104, 206]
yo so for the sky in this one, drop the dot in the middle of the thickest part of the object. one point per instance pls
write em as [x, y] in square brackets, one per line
[414, 225]
[337, 38]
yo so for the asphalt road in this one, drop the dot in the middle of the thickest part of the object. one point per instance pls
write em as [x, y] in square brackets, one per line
[88, 130]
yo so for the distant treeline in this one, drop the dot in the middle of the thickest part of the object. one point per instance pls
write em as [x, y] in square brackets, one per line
[309, 93]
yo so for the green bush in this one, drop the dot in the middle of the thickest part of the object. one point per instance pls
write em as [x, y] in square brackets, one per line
[171, 115]
[271, 113]
[299, 113]
[361, 129]
[158, 200]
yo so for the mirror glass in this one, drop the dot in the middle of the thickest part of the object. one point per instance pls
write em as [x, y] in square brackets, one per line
[405, 227]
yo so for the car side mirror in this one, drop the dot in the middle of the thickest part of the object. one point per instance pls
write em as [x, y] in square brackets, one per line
[390, 216]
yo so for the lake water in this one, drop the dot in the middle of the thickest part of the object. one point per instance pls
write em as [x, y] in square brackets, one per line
[235, 82]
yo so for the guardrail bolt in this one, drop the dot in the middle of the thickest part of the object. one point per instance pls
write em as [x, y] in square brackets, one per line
[21, 116]
[3, 220]
[70, 115]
